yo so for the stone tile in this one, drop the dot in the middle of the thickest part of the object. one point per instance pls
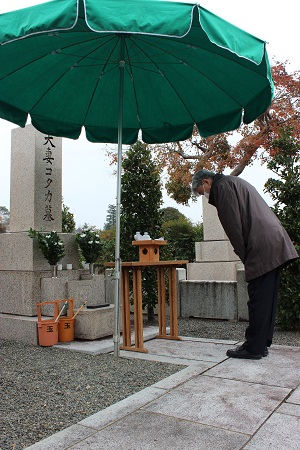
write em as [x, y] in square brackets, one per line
[233, 405]
[280, 432]
[148, 431]
[103, 345]
[280, 368]
[91, 347]
[189, 350]
[203, 365]
[159, 358]
[182, 376]
[295, 397]
[215, 341]
[63, 439]
[122, 408]
[290, 409]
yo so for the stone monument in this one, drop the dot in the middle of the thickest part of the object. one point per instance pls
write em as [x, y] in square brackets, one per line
[25, 275]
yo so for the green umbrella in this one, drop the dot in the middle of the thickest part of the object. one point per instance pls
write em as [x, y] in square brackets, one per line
[116, 67]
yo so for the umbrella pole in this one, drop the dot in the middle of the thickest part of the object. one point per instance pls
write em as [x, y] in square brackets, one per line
[118, 206]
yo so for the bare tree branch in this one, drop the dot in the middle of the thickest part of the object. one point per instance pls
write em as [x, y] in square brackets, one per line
[239, 168]
[207, 153]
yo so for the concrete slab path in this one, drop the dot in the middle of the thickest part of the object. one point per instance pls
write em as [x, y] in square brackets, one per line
[214, 402]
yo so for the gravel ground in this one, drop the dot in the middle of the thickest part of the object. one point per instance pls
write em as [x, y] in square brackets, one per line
[222, 329]
[44, 389]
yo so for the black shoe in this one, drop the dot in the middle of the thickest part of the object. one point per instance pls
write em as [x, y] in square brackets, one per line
[241, 352]
[266, 352]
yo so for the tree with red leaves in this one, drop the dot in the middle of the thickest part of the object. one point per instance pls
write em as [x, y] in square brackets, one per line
[234, 150]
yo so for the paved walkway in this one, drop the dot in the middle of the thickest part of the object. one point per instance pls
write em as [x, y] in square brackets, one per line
[214, 402]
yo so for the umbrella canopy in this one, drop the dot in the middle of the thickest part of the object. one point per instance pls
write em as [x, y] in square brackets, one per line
[59, 62]
[116, 67]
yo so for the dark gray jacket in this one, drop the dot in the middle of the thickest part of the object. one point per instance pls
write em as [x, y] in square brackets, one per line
[254, 231]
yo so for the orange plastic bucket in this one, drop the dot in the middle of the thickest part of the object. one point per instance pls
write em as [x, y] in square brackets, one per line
[66, 324]
[47, 333]
[65, 329]
[48, 328]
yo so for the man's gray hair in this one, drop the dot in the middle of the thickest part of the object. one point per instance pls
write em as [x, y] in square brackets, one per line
[199, 176]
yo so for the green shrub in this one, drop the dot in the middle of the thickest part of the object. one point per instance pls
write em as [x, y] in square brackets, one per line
[181, 235]
[285, 191]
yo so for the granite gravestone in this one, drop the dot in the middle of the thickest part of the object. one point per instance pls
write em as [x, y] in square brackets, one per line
[25, 275]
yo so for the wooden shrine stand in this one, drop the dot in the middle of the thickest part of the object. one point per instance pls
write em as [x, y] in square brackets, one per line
[149, 257]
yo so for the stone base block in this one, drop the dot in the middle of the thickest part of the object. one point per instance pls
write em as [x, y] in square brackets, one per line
[19, 292]
[96, 323]
[19, 252]
[88, 288]
[209, 299]
[52, 289]
[212, 271]
[19, 328]
[208, 251]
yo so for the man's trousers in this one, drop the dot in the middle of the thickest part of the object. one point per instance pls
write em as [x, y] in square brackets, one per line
[263, 298]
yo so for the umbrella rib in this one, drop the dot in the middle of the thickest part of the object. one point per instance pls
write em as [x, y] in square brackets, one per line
[99, 78]
[169, 82]
[191, 66]
[64, 53]
[63, 74]
[134, 87]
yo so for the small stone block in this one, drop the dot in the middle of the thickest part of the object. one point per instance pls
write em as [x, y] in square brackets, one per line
[95, 323]
[213, 271]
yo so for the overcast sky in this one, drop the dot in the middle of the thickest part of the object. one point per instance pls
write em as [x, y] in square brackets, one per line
[89, 185]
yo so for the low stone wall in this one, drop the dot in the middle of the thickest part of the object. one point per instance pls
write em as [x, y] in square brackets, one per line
[209, 299]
